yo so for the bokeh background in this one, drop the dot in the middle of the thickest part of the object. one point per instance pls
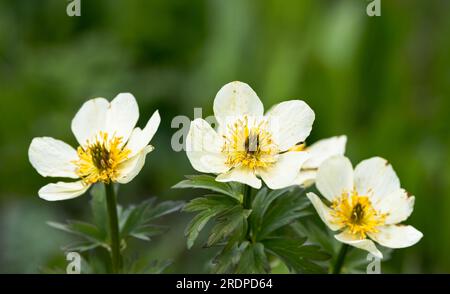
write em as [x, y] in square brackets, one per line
[383, 81]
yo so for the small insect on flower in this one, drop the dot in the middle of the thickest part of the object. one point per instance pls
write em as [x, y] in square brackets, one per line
[319, 152]
[365, 204]
[111, 148]
[247, 144]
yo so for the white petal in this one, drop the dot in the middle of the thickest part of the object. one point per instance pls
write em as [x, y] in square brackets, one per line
[241, 175]
[290, 123]
[397, 236]
[323, 211]
[63, 190]
[139, 139]
[324, 149]
[306, 178]
[364, 244]
[123, 114]
[284, 171]
[52, 158]
[334, 177]
[203, 148]
[236, 99]
[90, 119]
[130, 169]
[375, 178]
[397, 205]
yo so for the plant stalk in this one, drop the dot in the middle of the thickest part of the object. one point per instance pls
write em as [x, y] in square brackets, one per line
[340, 259]
[116, 258]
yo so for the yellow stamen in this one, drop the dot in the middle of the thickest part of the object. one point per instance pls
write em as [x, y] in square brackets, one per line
[99, 160]
[356, 213]
[249, 146]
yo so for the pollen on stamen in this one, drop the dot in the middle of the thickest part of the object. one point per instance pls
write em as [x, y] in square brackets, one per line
[357, 214]
[249, 144]
[99, 160]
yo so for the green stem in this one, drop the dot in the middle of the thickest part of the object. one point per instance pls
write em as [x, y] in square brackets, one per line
[113, 228]
[340, 259]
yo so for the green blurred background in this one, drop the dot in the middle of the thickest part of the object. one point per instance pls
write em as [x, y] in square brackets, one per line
[383, 81]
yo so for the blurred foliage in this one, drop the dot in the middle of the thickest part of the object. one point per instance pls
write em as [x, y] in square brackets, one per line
[383, 81]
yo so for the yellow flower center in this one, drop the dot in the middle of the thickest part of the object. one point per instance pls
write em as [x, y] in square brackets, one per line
[99, 160]
[356, 213]
[249, 146]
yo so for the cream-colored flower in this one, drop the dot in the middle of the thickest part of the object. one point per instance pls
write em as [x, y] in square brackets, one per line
[365, 204]
[319, 152]
[111, 148]
[248, 145]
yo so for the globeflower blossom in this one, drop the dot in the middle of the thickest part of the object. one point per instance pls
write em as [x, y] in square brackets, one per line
[248, 145]
[366, 204]
[111, 149]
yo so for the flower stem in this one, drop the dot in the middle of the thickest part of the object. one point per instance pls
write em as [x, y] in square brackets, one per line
[340, 259]
[113, 228]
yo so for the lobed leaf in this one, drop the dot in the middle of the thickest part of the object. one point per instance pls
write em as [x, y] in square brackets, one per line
[284, 209]
[295, 255]
[209, 183]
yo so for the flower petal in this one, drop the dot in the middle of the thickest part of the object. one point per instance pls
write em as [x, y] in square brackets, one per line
[397, 236]
[334, 177]
[241, 175]
[203, 148]
[52, 158]
[306, 178]
[236, 99]
[90, 119]
[397, 205]
[290, 122]
[375, 178]
[364, 244]
[130, 168]
[63, 190]
[123, 114]
[283, 172]
[324, 212]
[139, 138]
[324, 149]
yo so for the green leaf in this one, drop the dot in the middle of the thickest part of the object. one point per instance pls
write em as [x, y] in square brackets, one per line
[196, 225]
[145, 233]
[284, 210]
[157, 267]
[323, 237]
[234, 219]
[208, 207]
[136, 220]
[253, 259]
[85, 230]
[132, 217]
[218, 203]
[137, 264]
[81, 246]
[295, 255]
[263, 199]
[209, 183]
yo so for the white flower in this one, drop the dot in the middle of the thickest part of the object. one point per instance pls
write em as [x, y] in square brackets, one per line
[111, 148]
[319, 152]
[365, 203]
[248, 144]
